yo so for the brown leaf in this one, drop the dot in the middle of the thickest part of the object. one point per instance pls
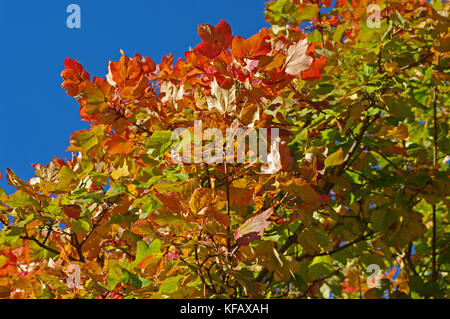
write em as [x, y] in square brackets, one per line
[73, 211]
[222, 218]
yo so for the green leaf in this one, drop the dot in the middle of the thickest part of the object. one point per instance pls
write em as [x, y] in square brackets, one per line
[175, 187]
[80, 224]
[66, 173]
[437, 5]
[159, 142]
[131, 279]
[14, 231]
[126, 218]
[3, 260]
[399, 107]
[307, 12]
[85, 140]
[314, 36]
[170, 285]
[21, 199]
[337, 36]
[337, 158]
[149, 203]
[320, 266]
[114, 274]
[382, 219]
[143, 250]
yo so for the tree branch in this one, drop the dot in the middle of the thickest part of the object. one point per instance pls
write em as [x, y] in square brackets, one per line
[54, 251]
[102, 214]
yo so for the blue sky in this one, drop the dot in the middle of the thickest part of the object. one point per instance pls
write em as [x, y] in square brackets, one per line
[37, 117]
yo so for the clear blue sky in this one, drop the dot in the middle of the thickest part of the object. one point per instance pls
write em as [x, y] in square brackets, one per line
[37, 117]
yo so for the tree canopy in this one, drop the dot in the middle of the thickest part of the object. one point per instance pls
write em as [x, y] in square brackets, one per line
[359, 94]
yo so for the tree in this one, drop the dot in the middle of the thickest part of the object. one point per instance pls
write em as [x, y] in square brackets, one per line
[356, 183]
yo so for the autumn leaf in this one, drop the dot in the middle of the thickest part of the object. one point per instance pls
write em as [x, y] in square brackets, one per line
[223, 100]
[143, 228]
[215, 39]
[128, 72]
[309, 11]
[171, 201]
[302, 189]
[315, 70]
[253, 228]
[252, 48]
[118, 145]
[73, 75]
[337, 158]
[400, 132]
[297, 60]
[371, 102]
[205, 198]
[122, 171]
[72, 211]
[222, 218]
[249, 114]
[241, 192]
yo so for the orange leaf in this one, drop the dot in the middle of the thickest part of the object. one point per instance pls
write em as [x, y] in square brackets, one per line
[252, 48]
[315, 70]
[151, 263]
[73, 75]
[127, 72]
[118, 145]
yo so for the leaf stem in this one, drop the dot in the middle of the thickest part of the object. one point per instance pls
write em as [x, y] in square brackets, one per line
[227, 190]
[435, 151]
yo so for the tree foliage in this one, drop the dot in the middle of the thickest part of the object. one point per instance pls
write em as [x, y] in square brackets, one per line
[364, 179]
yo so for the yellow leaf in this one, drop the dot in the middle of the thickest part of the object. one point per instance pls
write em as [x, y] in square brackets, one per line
[207, 198]
[400, 131]
[301, 188]
[392, 68]
[121, 172]
[337, 158]
[151, 263]
[413, 227]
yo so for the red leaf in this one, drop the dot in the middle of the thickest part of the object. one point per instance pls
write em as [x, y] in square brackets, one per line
[315, 70]
[325, 198]
[172, 255]
[73, 211]
[215, 39]
[395, 150]
[171, 201]
[253, 228]
[224, 33]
